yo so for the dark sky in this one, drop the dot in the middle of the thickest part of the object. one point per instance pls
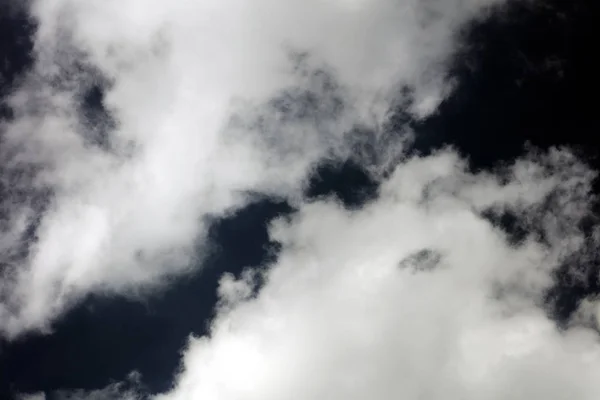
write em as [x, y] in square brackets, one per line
[526, 77]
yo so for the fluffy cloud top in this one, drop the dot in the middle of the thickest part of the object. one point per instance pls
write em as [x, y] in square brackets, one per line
[416, 296]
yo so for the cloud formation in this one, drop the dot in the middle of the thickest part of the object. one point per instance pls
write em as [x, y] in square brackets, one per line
[417, 295]
[354, 308]
[140, 119]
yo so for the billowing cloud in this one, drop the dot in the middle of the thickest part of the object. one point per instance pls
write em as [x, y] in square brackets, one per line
[141, 118]
[418, 295]
[415, 296]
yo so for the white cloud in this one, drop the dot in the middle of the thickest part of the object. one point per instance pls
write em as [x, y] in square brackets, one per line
[348, 312]
[415, 296]
[121, 220]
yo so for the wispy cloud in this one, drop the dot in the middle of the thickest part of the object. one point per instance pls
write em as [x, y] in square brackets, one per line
[110, 192]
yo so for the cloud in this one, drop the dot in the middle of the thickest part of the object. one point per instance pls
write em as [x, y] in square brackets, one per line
[35, 396]
[415, 296]
[418, 295]
[139, 119]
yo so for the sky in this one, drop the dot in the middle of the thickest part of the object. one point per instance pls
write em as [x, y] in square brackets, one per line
[322, 199]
